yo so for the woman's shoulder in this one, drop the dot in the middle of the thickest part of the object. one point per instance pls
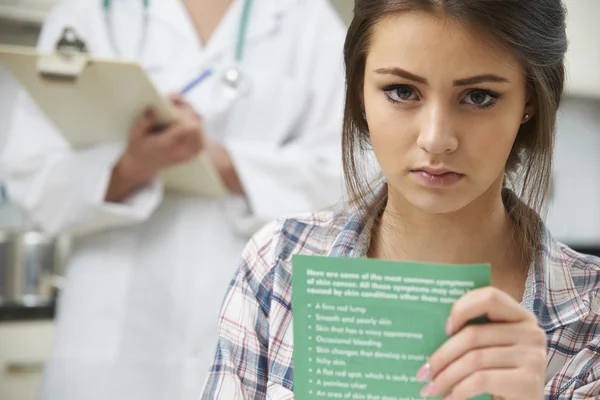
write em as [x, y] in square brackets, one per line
[308, 234]
[266, 265]
[581, 270]
[577, 262]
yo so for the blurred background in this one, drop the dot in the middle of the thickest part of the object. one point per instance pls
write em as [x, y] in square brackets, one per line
[574, 216]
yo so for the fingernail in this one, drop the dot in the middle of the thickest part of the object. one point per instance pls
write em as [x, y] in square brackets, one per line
[447, 397]
[449, 326]
[427, 390]
[423, 373]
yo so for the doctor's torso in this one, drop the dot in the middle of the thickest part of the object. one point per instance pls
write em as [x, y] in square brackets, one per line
[172, 270]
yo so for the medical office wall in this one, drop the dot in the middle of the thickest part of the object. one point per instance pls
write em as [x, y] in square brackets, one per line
[345, 8]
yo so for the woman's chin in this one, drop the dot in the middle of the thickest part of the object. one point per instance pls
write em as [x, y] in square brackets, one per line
[438, 201]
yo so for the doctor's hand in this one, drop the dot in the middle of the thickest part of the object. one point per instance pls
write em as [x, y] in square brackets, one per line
[218, 155]
[150, 151]
[505, 357]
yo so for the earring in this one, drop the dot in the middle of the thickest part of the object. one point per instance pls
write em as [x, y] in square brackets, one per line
[526, 117]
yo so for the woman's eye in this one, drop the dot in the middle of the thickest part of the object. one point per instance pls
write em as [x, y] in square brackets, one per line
[481, 98]
[400, 93]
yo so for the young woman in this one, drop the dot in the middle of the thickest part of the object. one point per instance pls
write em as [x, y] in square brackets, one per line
[457, 99]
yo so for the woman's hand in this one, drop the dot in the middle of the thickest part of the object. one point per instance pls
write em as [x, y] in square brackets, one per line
[505, 357]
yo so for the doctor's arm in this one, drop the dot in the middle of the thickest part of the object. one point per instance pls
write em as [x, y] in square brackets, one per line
[96, 189]
[304, 173]
[62, 190]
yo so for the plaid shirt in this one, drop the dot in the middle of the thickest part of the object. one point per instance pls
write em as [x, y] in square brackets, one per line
[254, 355]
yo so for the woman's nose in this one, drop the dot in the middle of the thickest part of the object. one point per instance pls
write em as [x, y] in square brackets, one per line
[436, 132]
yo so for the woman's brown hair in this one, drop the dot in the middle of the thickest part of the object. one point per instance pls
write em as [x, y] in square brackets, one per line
[534, 32]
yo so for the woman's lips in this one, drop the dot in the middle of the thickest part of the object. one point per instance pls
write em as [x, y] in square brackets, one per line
[436, 178]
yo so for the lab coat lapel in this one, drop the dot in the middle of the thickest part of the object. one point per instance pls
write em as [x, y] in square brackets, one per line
[262, 23]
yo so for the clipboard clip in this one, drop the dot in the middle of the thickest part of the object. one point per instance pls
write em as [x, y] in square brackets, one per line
[69, 59]
[69, 41]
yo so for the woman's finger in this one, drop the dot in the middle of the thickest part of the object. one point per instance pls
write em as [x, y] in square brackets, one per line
[493, 303]
[507, 357]
[478, 336]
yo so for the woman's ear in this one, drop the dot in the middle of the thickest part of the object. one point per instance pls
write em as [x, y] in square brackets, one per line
[529, 110]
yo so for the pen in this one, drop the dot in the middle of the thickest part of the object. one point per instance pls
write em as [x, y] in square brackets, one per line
[196, 81]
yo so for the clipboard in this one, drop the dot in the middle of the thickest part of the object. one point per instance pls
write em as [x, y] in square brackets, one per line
[93, 100]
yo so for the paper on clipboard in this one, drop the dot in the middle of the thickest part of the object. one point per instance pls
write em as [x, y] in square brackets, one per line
[93, 100]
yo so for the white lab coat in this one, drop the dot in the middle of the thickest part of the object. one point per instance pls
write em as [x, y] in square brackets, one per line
[138, 316]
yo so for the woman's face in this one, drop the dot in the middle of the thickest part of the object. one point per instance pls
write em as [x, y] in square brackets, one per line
[443, 107]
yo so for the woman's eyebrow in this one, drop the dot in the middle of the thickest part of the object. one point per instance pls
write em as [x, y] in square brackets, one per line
[399, 72]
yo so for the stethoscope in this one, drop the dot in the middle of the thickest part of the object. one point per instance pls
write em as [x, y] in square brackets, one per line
[233, 77]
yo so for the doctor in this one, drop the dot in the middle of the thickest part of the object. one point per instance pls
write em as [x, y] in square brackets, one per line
[138, 315]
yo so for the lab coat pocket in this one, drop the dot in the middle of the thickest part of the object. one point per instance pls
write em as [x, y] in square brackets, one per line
[92, 305]
[276, 391]
[272, 111]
